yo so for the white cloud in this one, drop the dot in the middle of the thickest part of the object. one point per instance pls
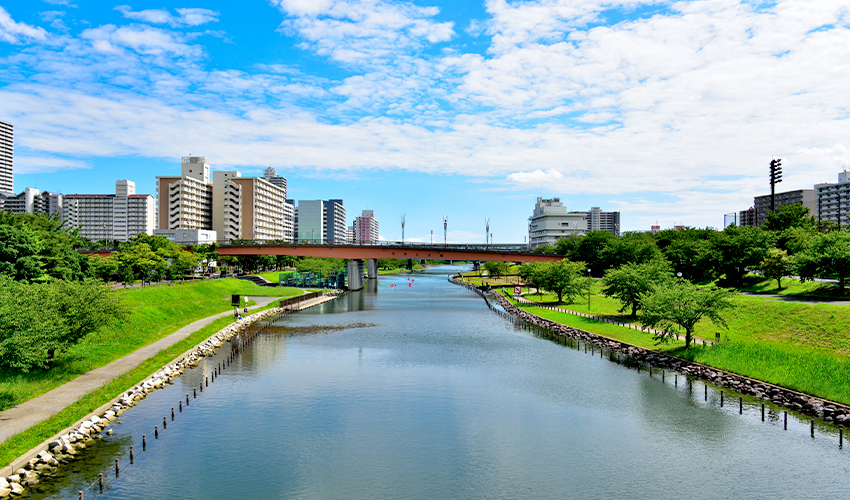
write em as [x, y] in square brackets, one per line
[25, 164]
[185, 17]
[15, 32]
[65, 3]
[363, 31]
[141, 39]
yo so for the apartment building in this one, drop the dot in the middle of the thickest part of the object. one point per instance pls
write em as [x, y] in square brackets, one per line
[550, 221]
[118, 216]
[7, 157]
[270, 175]
[833, 200]
[366, 228]
[185, 202]
[226, 206]
[597, 220]
[806, 197]
[32, 201]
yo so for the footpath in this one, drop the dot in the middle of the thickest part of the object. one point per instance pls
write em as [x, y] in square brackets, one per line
[29, 413]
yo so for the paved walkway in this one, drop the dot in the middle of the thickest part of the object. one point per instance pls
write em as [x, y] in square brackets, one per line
[29, 413]
[799, 298]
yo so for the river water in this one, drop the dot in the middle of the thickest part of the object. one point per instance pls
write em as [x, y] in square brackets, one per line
[420, 391]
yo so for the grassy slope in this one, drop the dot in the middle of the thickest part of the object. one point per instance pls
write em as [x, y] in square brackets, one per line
[19, 444]
[156, 311]
[802, 346]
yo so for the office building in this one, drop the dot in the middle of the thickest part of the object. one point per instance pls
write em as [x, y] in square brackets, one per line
[32, 201]
[7, 157]
[321, 222]
[366, 229]
[185, 202]
[118, 216]
[550, 222]
[806, 197]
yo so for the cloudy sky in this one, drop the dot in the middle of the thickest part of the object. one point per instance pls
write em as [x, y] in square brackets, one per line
[666, 111]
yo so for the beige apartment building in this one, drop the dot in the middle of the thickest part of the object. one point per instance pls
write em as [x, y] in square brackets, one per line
[118, 216]
[185, 202]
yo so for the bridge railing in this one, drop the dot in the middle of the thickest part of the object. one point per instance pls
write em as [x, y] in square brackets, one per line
[493, 247]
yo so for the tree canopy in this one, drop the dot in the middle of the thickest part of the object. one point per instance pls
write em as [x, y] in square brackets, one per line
[629, 282]
[681, 304]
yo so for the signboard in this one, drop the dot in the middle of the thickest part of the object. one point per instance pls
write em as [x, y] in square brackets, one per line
[517, 290]
[234, 300]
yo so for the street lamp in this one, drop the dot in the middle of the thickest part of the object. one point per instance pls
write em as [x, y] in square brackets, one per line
[402, 229]
[445, 230]
[589, 285]
[432, 237]
[487, 232]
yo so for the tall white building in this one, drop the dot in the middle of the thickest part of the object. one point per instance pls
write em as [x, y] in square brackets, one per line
[597, 220]
[366, 229]
[32, 201]
[226, 206]
[833, 200]
[270, 175]
[185, 202]
[118, 216]
[7, 157]
[550, 222]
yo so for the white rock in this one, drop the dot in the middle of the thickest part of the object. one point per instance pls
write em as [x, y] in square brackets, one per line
[14, 478]
[17, 489]
[4, 483]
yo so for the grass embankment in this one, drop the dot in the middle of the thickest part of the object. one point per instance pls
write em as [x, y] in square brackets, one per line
[155, 312]
[20, 443]
[274, 276]
[805, 347]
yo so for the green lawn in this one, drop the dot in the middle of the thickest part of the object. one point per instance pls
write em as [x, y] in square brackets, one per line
[758, 284]
[273, 276]
[156, 311]
[801, 346]
[19, 444]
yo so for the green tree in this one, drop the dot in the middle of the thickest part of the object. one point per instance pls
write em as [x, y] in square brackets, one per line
[826, 255]
[787, 217]
[38, 320]
[681, 304]
[592, 250]
[20, 253]
[688, 250]
[496, 268]
[533, 274]
[631, 248]
[629, 282]
[103, 267]
[737, 249]
[565, 279]
[776, 265]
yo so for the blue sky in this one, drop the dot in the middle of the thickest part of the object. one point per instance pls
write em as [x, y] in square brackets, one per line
[667, 111]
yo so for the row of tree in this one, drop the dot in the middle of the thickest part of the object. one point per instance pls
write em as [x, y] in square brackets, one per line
[789, 243]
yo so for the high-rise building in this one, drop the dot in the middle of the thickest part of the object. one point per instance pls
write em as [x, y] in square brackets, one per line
[118, 216]
[833, 200]
[185, 202]
[366, 229]
[551, 222]
[264, 209]
[806, 197]
[7, 157]
[270, 175]
[32, 201]
[747, 217]
[597, 220]
[321, 222]
[226, 206]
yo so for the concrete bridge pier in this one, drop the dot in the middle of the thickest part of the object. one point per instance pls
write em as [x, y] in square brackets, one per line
[476, 265]
[355, 274]
[371, 268]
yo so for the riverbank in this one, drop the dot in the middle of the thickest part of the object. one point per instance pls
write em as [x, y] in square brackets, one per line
[830, 410]
[64, 445]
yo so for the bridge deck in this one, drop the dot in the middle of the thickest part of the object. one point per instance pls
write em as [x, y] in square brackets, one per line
[386, 252]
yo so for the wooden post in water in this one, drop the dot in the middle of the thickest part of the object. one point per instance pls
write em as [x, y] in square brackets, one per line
[740, 405]
[116, 468]
[841, 437]
[172, 413]
[812, 427]
[164, 423]
[131, 455]
[762, 412]
[785, 425]
[721, 399]
[100, 482]
[156, 432]
[144, 442]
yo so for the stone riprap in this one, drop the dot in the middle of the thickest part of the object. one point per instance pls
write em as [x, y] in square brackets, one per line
[828, 411]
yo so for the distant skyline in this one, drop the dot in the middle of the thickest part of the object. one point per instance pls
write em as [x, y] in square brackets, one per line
[666, 111]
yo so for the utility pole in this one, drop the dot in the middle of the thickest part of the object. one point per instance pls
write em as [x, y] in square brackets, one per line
[487, 232]
[402, 229]
[445, 230]
[775, 178]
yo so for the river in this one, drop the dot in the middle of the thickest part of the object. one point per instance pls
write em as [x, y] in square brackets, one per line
[419, 391]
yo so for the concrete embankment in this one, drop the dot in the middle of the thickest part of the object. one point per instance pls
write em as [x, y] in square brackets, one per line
[828, 411]
[29, 470]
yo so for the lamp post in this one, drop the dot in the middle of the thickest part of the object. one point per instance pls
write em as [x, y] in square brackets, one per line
[402, 229]
[487, 232]
[432, 237]
[445, 230]
[589, 285]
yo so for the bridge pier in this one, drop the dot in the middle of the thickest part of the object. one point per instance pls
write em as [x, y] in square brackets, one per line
[476, 265]
[355, 274]
[371, 268]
